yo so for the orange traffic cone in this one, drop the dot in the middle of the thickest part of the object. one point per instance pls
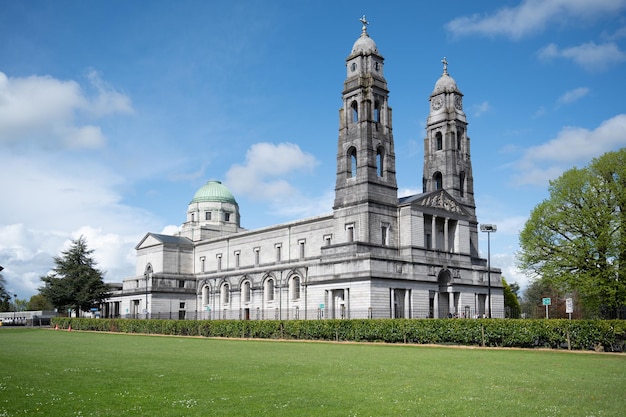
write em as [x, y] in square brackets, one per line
[69, 329]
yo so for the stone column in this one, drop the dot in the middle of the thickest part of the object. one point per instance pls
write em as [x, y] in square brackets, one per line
[434, 231]
[407, 304]
[451, 308]
[445, 234]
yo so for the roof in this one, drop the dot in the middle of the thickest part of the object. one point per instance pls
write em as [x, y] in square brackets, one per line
[364, 45]
[445, 83]
[213, 191]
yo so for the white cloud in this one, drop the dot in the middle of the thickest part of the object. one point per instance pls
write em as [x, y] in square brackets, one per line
[480, 109]
[269, 174]
[532, 16]
[48, 112]
[573, 95]
[107, 100]
[590, 56]
[406, 192]
[572, 145]
[507, 262]
[618, 34]
[263, 174]
[52, 198]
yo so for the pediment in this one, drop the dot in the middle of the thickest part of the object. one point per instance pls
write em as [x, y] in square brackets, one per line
[154, 239]
[147, 241]
[440, 200]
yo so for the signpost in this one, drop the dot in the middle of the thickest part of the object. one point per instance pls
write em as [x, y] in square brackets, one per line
[546, 302]
[569, 307]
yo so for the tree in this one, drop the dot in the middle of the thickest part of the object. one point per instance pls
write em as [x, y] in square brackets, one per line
[511, 303]
[39, 303]
[4, 295]
[539, 289]
[75, 282]
[576, 239]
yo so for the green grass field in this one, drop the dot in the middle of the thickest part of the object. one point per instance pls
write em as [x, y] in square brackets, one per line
[60, 373]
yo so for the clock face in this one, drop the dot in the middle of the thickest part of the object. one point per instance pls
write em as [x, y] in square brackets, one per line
[436, 103]
[458, 102]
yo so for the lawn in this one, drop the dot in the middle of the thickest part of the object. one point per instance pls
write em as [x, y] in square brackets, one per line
[60, 373]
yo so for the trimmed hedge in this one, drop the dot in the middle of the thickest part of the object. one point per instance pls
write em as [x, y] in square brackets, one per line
[608, 335]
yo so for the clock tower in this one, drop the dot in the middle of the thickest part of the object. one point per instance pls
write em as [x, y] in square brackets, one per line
[447, 162]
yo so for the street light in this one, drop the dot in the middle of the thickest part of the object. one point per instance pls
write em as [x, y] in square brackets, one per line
[489, 229]
[14, 307]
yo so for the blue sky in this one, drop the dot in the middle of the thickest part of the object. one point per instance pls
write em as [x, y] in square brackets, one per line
[112, 114]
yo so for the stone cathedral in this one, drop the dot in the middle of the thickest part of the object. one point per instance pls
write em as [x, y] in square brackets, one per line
[375, 256]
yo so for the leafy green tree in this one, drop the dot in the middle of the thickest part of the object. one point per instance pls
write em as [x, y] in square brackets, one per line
[39, 303]
[576, 239]
[531, 302]
[75, 282]
[511, 303]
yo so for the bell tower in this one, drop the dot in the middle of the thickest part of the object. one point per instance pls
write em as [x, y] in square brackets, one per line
[447, 162]
[366, 193]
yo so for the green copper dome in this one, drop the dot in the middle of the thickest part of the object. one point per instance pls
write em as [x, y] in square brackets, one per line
[213, 191]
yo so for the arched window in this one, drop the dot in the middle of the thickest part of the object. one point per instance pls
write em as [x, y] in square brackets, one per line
[206, 290]
[459, 135]
[424, 182]
[355, 111]
[247, 292]
[439, 140]
[438, 179]
[462, 180]
[379, 161]
[269, 290]
[352, 167]
[225, 294]
[376, 111]
[294, 287]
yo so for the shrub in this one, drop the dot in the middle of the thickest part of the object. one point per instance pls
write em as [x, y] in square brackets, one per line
[555, 334]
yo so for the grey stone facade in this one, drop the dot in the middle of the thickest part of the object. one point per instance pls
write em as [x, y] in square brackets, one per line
[375, 256]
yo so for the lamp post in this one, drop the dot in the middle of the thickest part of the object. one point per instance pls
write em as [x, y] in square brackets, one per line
[489, 229]
[14, 307]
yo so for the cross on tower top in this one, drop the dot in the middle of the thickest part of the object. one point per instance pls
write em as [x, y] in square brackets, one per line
[365, 23]
[444, 61]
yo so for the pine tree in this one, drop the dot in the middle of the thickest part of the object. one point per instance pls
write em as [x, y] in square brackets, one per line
[4, 295]
[75, 282]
